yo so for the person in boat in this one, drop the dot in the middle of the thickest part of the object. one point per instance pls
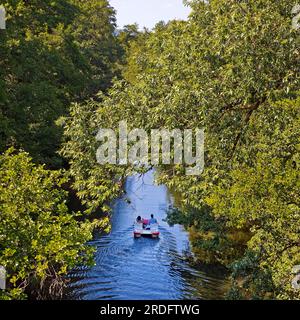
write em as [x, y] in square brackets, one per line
[152, 220]
[139, 220]
[145, 223]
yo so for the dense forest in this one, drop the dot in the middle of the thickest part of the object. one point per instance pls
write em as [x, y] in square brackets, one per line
[232, 68]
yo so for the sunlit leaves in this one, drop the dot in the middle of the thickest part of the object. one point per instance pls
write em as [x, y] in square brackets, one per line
[39, 239]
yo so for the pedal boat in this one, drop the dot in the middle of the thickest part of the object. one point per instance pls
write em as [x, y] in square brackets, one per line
[146, 231]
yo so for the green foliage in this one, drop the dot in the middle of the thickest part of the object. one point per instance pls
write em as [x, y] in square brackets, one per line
[51, 54]
[126, 38]
[264, 194]
[232, 68]
[96, 185]
[255, 282]
[39, 239]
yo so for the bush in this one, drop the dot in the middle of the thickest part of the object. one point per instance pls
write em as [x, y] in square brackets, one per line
[39, 239]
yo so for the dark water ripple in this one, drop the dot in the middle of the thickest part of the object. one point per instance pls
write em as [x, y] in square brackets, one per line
[143, 269]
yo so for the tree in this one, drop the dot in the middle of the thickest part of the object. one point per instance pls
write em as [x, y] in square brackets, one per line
[96, 185]
[52, 54]
[39, 239]
[232, 69]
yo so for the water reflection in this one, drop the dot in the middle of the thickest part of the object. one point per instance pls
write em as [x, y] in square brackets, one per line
[145, 268]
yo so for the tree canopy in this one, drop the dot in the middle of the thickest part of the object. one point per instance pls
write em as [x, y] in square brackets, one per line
[52, 53]
[232, 69]
[40, 239]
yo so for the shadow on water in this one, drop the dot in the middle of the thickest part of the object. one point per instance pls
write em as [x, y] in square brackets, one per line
[145, 268]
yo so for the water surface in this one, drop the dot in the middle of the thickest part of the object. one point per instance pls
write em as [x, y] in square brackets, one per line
[143, 269]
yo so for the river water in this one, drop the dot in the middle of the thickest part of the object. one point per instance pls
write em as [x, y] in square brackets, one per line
[145, 268]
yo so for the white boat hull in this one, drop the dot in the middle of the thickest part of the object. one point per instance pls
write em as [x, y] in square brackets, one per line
[151, 231]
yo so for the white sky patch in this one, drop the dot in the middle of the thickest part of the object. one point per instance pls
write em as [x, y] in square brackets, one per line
[146, 13]
[169, 5]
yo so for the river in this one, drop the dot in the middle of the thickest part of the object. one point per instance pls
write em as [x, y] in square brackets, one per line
[144, 269]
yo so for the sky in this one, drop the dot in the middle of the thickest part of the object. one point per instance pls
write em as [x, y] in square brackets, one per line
[148, 12]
